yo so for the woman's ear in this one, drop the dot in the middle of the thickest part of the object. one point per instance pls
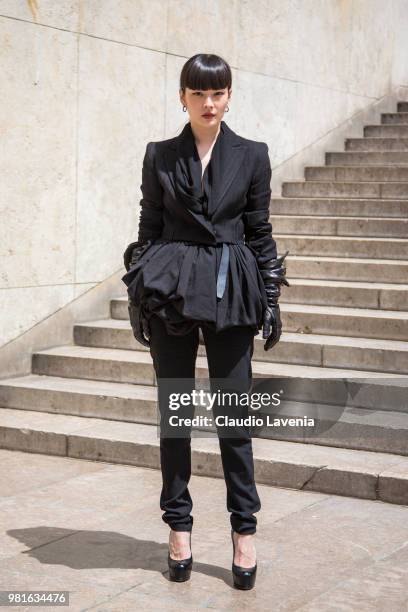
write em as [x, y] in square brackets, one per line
[181, 94]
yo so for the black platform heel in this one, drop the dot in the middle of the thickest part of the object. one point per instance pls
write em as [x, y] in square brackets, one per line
[244, 577]
[180, 570]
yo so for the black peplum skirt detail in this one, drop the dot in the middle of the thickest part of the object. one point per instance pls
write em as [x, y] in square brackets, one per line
[177, 281]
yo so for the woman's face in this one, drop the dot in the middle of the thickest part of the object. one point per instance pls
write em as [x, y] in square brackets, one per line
[205, 107]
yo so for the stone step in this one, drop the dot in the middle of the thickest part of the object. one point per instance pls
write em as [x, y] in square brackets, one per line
[384, 227]
[394, 118]
[343, 246]
[356, 473]
[357, 173]
[136, 366]
[383, 296]
[376, 144]
[104, 364]
[402, 107]
[349, 427]
[299, 318]
[323, 350]
[344, 189]
[386, 131]
[362, 424]
[367, 391]
[81, 397]
[346, 321]
[339, 207]
[346, 268]
[366, 158]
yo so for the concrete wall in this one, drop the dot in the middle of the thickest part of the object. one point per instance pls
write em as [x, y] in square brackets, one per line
[85, 84]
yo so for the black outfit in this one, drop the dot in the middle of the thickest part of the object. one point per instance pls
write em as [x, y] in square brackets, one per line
[229, 354]
[204, 245]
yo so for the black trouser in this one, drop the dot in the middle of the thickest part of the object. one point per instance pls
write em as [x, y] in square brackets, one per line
[229, 355]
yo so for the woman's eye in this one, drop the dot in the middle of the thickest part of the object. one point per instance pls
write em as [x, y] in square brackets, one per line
[198, 93]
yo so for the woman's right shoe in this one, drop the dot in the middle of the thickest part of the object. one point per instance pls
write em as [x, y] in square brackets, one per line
[180, 570]
[244, 577]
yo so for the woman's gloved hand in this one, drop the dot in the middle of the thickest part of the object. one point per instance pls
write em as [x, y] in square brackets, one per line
[272, 324]
[133, 252]
[139, 323]
[273, 274]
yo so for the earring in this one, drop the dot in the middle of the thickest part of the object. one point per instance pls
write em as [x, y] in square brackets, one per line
[184, 109]
[227, 109]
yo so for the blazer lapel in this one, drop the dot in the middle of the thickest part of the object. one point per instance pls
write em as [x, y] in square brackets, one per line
[228, 161]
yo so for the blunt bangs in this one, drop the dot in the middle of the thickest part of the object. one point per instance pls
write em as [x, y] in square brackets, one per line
[205, 71]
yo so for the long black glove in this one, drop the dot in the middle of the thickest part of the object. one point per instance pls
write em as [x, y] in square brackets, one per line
[138, 321]
[273, 274]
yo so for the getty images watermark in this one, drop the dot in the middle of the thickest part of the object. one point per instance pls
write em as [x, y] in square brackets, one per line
[223, 399]
[320, 410]
[280, 407]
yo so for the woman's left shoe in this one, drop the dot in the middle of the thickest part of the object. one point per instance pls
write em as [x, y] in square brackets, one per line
[180, 571]
[244, 577]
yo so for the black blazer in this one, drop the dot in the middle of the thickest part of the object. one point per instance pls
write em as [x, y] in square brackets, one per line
[240, 202]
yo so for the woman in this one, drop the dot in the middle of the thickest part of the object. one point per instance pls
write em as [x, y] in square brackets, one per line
[205, 257]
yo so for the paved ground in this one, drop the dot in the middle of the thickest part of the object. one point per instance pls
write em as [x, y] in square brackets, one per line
[95, 529]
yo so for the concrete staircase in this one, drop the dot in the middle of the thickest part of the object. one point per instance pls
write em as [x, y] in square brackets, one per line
[345, 316]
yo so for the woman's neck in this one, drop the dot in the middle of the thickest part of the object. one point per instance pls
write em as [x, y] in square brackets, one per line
[205, 137]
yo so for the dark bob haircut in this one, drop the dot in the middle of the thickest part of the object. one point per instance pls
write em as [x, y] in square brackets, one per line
[205, 71]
